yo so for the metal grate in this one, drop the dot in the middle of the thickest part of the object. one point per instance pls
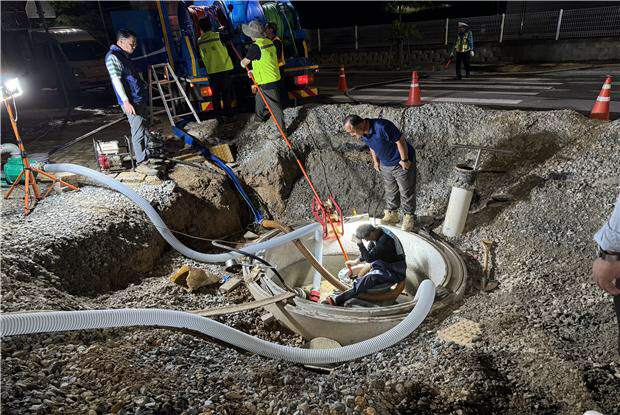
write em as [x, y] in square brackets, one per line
[335, 39]
[576, 23]
[595, 22]
[541, 25]
[430, 32]
[375, 36]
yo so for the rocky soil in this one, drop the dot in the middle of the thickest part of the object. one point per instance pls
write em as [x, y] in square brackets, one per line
[548, 333]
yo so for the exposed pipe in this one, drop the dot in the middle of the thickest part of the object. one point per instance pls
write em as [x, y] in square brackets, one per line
[12, 148]
[12, 324]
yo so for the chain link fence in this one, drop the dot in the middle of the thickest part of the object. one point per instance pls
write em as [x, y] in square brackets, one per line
[548, 25]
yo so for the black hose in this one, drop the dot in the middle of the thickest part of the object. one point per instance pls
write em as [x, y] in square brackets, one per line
[261, 260]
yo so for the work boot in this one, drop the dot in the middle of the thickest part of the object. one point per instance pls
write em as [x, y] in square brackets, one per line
[408, 222]
[390, 217]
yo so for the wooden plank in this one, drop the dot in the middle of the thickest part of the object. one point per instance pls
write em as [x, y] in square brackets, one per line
[230, 285]
[231, 309]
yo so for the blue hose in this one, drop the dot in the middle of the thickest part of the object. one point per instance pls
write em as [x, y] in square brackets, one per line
[189, 140]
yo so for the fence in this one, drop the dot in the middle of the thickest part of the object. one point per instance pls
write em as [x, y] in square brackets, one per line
[550, 25]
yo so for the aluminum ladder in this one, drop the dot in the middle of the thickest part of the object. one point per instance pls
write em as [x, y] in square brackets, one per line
[162, 83]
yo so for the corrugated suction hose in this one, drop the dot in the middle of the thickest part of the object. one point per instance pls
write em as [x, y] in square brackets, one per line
[12, 324]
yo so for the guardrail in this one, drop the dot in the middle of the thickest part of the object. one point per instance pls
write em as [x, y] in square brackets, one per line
[549, 25]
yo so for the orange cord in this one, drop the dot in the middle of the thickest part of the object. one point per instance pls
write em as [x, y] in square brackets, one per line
[303, 170]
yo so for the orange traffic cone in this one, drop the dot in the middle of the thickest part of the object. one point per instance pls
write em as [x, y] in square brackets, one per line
[342, 81]
[600, 110]
[414, 91]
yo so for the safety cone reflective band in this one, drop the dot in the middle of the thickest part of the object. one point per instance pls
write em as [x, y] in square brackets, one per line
[600, 110]
[414, 91]
[342, 81]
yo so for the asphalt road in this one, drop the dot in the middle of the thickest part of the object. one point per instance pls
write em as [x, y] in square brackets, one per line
[572, 89]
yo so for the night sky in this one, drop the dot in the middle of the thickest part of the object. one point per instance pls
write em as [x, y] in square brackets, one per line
[324, 14]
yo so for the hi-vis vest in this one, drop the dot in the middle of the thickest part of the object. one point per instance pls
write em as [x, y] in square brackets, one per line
[281, 61]
[265, 69]
[462, 42]
[213, 53]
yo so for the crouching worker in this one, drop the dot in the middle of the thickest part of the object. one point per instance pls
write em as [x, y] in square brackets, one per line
[385, 256]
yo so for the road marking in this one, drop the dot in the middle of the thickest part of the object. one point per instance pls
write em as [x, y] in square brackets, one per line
[477, 82]
[487, 101]
[403, 90]
[490, 78]
[479, 86]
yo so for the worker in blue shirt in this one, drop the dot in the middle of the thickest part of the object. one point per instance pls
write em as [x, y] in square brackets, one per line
[606, 268]
[395, 159]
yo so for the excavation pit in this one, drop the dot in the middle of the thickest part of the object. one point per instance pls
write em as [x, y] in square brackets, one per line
[427, 258]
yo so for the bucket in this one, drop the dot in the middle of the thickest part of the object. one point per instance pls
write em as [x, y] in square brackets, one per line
[465, 174]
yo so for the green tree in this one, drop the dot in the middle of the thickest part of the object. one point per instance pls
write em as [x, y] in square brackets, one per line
[82, 14]
[404, 30]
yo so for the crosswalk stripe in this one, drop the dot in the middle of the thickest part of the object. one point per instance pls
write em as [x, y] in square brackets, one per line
[404, 91]
[478, 86]
[462, 100]
[490, 78]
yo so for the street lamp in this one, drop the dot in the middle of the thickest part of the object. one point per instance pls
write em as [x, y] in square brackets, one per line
[9, 90]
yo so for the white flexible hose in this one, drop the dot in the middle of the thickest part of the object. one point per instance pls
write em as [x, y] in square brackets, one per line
[12, 324]
[44, 322]
[163, 229]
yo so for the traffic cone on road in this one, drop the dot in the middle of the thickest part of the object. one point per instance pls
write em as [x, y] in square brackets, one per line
[414, 91]
[600, 110]
[342, 81]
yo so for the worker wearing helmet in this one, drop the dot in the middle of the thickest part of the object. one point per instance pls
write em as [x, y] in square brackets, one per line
[271, 30]
[263, 56]
[386, 257]
[218, 65]
[464, 48]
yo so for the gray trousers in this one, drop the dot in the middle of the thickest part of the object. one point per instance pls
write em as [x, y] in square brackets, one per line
[273, 98]
[399, 187]
[140, 135]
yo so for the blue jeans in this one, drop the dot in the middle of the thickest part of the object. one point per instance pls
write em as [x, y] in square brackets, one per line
[381, 273]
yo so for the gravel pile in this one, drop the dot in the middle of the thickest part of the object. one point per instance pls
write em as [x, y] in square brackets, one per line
[548, 334]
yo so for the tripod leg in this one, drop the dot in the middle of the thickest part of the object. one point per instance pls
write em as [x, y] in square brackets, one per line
[26, 193]
[35, 186]
[55, 179]
[14, 185]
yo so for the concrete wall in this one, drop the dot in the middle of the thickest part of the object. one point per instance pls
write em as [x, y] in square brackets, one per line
[530, 51]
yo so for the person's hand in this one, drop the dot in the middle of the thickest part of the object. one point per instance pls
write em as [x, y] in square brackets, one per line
[128, 108]
[405, 164]
[376, 165]
[604, 273]
[472, 53]
[351, 262]
[254, 89]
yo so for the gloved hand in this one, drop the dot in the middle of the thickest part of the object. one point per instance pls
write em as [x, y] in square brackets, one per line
[471, 53]
[344, 274]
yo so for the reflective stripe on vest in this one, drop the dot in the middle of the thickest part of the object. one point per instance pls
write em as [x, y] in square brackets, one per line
[266, 69]
[462, 42]
[281, 61]
[213, 53]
